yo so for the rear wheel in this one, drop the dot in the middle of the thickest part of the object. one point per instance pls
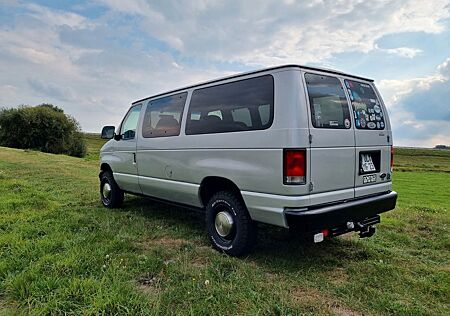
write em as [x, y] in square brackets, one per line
[229, 225]
[110, 193]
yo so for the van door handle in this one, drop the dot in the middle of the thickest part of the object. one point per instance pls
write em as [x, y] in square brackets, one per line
[134, 158]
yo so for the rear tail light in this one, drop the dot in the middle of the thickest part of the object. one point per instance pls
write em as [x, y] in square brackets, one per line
[392, 158]
[294, 166]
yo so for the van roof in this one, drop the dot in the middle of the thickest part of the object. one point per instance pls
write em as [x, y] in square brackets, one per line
[331, 71]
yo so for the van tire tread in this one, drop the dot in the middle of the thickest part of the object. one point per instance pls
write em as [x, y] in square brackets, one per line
[246, 236]
[117, 195]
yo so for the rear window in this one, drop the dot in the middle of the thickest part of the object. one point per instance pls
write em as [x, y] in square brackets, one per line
[366, 106]
[243, 105]
[329, 107]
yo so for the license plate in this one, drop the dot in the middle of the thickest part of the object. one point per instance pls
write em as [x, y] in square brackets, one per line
[367, 164]
[370, 179]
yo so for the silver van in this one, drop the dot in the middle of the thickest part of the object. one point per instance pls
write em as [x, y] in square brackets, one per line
[292, 146]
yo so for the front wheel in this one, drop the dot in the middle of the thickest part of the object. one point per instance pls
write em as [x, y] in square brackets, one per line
[110, 193]
[229, 225]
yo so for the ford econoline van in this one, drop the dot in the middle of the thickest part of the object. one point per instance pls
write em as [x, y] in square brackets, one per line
[292, 146]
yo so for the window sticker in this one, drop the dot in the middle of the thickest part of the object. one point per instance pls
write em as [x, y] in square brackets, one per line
[363, 122]
[347, 123]
[366, 106]
[334, 123]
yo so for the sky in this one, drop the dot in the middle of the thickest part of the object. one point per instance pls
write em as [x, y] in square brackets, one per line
[93, 58]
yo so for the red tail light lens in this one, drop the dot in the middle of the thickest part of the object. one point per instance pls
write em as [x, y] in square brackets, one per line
[392, 158]
[294, 168]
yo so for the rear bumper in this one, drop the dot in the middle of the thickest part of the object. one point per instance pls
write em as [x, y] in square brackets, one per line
[310, 219]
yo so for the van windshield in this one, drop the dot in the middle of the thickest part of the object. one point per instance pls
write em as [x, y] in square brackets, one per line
[366, 106]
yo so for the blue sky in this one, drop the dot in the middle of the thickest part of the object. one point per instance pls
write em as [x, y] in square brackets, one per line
[93, 58]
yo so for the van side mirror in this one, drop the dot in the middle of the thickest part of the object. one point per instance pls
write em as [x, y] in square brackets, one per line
[108, 132]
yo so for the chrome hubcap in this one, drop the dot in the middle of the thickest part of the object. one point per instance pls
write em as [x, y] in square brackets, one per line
[224, 223]
[106, 191]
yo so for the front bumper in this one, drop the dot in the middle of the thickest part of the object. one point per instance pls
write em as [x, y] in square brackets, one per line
[329, 216]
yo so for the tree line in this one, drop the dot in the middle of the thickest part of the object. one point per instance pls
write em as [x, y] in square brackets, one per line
[44, 127]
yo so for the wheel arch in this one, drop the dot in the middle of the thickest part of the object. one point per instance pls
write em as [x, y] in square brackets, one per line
[213, 184]
[103, 168]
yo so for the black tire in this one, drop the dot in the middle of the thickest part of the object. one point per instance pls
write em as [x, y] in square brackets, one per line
[115, 197]
[243, 234]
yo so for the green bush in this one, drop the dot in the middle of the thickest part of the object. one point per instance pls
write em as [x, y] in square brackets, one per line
[44, 127]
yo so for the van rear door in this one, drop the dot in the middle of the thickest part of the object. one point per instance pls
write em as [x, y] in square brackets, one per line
[373, 139]
[332, 139]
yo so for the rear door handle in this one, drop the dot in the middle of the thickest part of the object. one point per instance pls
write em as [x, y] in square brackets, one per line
[134, 158]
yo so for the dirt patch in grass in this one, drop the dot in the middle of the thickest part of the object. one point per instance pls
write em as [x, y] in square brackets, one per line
[164, 241]
[306, 296]
[199, 262]
[149, 283]
[337, 276]
[343, 311]
[7, 309]
[271, 277]
[350, 237]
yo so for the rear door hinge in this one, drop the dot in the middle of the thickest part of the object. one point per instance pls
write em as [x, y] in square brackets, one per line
[310, 138]
[310, 187]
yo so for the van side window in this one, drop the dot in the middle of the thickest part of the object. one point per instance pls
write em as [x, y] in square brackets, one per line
[329, 107]
[163, 116]
[232, 107]
[366, 106]
[130, 122]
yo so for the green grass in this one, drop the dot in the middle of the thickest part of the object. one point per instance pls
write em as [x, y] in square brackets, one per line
[93, 144]
[408, 159]
[62, 253]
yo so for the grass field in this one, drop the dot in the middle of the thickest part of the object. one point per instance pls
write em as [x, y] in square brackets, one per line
[61, 252]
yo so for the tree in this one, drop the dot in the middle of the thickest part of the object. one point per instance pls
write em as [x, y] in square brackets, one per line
[44, 127]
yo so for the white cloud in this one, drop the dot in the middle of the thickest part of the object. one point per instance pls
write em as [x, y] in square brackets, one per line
[420, 108]
[401, 51]
[269, 32]
[444, 69]
[394, 90]
[57, 17]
